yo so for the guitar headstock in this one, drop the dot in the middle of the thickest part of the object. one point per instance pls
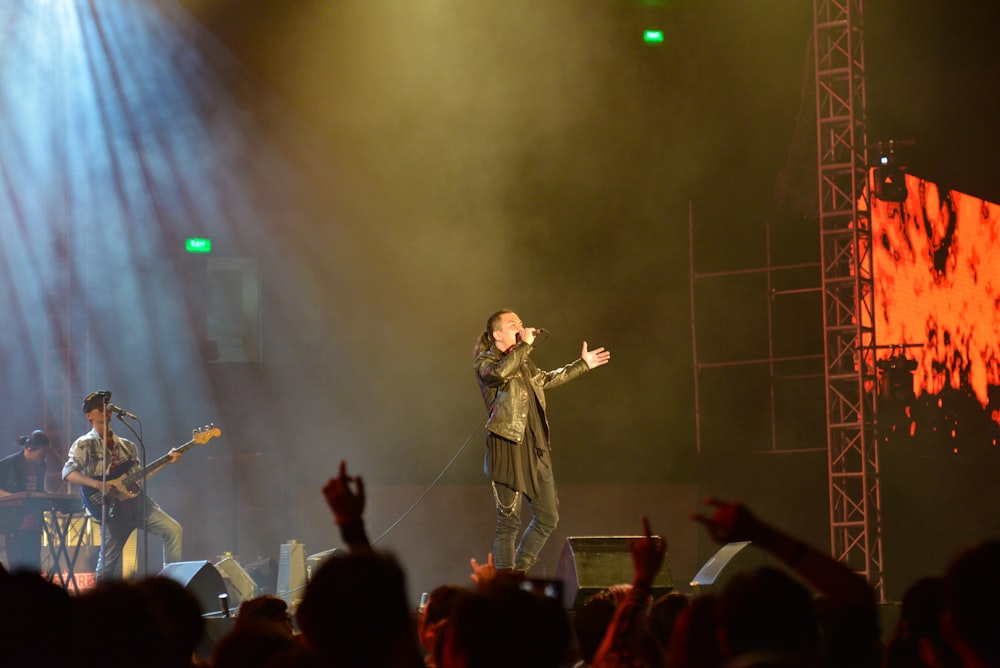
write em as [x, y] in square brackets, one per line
[205, 434]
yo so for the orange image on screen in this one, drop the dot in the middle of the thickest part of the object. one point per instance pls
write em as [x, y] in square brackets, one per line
[936, 263]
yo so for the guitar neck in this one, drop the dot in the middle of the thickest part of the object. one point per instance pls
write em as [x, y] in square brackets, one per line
[136, 476]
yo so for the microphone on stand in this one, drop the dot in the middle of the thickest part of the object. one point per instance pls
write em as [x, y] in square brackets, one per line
[122, 412]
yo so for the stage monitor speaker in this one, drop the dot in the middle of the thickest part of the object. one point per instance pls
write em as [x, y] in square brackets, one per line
[200, 578]
[292, 573]
[590, 564]
[314, 561]
[730, 560]
[239, 585]
[264, 573]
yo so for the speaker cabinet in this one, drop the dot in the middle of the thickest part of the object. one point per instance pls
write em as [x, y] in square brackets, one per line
[590, 564]
[239, 585]
[201, 579]
[264, 573]
[292, 573]
[314, 561]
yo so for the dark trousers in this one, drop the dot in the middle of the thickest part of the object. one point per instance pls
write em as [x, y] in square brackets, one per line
[117, 534]
[544, 518]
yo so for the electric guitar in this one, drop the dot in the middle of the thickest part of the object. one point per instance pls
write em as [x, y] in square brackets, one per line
[123, 487]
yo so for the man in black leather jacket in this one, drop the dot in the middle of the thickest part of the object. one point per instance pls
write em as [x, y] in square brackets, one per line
[518, 461]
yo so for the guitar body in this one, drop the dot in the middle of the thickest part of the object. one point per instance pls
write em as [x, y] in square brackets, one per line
[124, 507]
[119, 508]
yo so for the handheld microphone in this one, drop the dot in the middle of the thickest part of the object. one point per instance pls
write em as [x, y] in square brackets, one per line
[539, 331]
[122, 412]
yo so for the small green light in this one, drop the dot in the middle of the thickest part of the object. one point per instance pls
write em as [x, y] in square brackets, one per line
[652, 36]
[196, 245]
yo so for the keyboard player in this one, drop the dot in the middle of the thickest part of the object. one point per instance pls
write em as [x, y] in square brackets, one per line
[24, 471]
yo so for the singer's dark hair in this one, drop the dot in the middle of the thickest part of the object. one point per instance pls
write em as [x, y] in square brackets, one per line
[486, 338]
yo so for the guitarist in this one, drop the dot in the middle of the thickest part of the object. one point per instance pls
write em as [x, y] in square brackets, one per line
[100, 451]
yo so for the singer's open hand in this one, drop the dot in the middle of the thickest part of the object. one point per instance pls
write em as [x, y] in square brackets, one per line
[596, 357]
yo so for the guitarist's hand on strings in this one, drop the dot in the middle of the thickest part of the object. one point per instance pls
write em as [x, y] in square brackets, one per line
[117, 490]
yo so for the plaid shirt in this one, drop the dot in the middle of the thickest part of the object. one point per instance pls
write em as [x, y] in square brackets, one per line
[88, 455]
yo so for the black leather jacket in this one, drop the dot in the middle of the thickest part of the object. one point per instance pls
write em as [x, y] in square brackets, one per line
[507, 395]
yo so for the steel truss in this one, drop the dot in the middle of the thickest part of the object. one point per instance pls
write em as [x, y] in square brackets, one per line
[848, 289]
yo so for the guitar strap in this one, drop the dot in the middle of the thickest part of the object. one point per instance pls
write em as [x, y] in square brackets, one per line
[112, 453]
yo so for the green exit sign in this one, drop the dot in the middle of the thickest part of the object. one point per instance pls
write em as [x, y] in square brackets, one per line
[652, 36]
[196, 245]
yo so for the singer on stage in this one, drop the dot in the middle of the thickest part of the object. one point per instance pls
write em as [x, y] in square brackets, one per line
[100, 451]
[518, 461]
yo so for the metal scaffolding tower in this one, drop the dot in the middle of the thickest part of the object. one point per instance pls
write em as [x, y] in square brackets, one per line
[848, 289]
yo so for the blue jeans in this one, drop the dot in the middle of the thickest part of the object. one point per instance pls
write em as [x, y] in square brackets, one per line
[158, 522]
[544, 518]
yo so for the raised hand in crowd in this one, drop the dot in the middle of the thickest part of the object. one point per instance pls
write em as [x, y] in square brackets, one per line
[733, 522]
[345, 495]
[483, 573]
[850, 617]
[626, 633]
[648, 553]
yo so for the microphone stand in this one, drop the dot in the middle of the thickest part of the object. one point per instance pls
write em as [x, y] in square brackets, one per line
[104, 488]
[141, 522]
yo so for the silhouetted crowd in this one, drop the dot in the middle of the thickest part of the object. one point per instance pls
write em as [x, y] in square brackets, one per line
[808, 610]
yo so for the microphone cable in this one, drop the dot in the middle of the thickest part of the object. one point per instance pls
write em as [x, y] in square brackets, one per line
[434, 482]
